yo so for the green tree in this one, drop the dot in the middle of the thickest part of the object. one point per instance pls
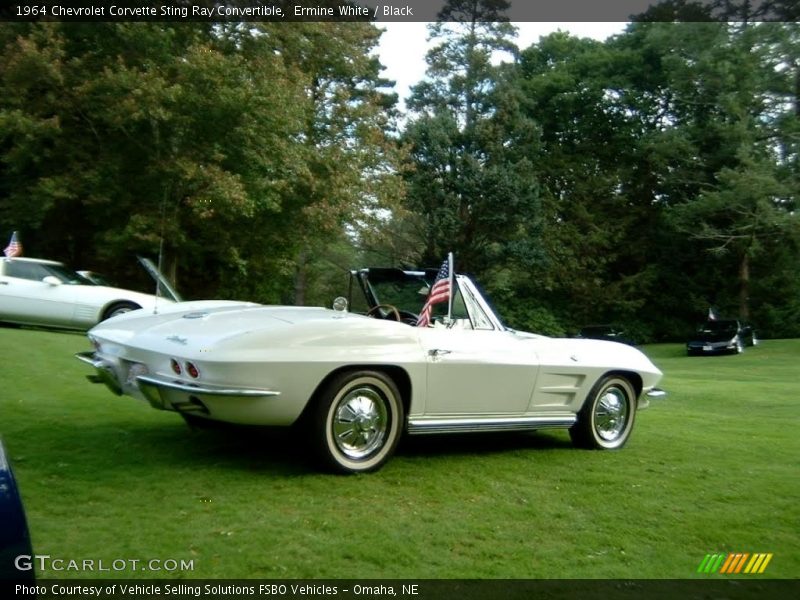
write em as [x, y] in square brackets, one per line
[668, 170]
[470, 181]
[732, 184]
[350, 162]
[156, 133]
[596, 220]
[224, 148]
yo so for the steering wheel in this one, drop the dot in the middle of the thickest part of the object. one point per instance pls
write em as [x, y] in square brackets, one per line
[390, 307]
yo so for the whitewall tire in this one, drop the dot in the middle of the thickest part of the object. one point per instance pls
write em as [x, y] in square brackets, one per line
[357, 422]
[606, 419]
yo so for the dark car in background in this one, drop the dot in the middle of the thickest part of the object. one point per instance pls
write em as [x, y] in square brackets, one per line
[609, 333]
[14, 537]
[721, 336]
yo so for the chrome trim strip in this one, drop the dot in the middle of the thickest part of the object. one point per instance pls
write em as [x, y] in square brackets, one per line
[201, 390]
[468, 286]
[86, 357]
[656, 393]
[475, 425]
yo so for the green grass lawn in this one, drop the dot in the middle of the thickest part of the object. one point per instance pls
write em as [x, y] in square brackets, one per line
[713, 468]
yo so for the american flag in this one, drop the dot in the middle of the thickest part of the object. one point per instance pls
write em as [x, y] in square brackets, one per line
[14, 247]
[440, 292]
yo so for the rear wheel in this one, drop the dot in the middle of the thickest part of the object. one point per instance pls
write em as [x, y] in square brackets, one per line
[606, 420]
[357, 422]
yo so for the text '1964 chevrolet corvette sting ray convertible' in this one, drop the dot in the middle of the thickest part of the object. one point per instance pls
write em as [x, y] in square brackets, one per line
[428, 355]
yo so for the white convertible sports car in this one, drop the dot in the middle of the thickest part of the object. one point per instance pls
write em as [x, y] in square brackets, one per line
[41, 292]
[357, 382]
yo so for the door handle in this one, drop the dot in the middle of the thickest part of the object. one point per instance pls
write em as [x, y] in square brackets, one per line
[436, 352]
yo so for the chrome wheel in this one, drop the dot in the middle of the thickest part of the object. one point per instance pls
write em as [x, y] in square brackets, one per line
[606, 419]
[359, 422]
[611, 414]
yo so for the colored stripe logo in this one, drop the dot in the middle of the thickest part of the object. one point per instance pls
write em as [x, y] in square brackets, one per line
[735, 562]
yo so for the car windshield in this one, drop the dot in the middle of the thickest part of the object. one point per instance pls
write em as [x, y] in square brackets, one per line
[67, 276]
[96, 278]
[719, 326]
[408, 294]
[39, 270]
[408, 291]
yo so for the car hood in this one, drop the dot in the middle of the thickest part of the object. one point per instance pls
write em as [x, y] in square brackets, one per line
[163, 287]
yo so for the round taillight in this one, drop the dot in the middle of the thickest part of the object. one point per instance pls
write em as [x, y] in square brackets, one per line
[192, 370]
[176, 366]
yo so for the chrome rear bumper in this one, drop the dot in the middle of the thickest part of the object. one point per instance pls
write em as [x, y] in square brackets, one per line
[161, 382]
[156, 388]
[104, 372]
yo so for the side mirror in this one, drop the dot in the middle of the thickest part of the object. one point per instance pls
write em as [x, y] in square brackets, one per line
[51, 280]
[340, 304]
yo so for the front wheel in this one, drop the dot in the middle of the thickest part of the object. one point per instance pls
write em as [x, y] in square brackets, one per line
[606, 419]
[358, 420]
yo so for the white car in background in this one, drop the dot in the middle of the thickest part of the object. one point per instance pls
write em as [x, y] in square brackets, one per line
[47, 293]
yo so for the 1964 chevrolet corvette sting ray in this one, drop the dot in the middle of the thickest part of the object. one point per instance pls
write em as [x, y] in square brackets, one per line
[357, 382]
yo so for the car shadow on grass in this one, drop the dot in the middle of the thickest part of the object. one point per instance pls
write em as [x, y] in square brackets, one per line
[166, 442]
[134, 446]
[276, 451]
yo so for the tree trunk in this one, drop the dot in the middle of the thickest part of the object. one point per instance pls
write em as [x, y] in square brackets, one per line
[797, 89]
[744, 287]
[301, 278]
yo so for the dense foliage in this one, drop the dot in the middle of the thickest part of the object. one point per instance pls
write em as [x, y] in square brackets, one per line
[638, 180]
[668, 171]
[243, 148]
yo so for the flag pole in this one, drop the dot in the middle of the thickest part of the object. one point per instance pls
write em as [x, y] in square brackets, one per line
[451, 275]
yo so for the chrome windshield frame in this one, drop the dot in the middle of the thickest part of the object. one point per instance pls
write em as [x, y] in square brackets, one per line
[474, 301]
